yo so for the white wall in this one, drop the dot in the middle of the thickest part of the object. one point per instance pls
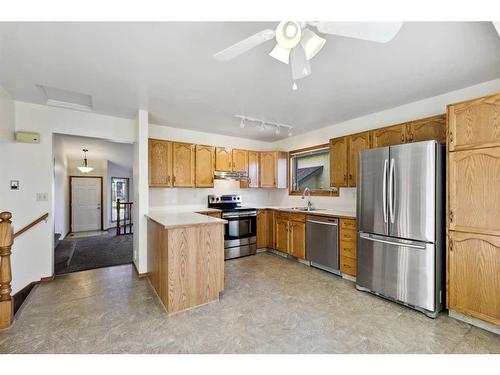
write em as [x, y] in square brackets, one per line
[114, 170]
[423, 108]
[61, 191]
[32, 165]
[7, 122]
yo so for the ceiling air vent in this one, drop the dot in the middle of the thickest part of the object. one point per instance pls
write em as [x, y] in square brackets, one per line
[66, 99]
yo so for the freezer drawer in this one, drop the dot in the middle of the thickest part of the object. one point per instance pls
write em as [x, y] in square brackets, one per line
[399, 269]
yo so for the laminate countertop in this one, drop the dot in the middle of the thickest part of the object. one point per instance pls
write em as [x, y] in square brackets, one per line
[331, 212]
[182, 217]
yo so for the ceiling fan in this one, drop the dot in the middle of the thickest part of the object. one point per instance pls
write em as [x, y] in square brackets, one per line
[297, 43]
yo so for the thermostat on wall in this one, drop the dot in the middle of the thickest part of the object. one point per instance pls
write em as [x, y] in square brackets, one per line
[28, 137]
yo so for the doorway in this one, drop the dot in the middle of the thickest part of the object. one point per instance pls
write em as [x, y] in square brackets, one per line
[85, 204]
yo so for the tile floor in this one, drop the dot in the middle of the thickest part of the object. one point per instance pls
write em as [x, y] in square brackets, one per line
[270, 305]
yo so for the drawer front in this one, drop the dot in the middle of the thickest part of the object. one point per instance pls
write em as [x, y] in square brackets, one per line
[348, 266]
[297, 217]
[348, 224]
[348, 249]
[348, 235]
[281, 215]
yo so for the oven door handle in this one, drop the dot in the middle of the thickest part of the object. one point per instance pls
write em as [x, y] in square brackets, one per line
[237, 216]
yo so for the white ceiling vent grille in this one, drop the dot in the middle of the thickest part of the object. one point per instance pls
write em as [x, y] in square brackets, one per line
[66, 99]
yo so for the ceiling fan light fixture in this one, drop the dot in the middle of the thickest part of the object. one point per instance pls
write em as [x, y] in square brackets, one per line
[288, 34]
[280, 54]
[311, 43]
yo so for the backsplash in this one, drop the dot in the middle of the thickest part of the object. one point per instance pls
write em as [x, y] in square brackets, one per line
[161, 197]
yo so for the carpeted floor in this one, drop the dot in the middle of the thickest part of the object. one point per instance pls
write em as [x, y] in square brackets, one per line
[78, 254]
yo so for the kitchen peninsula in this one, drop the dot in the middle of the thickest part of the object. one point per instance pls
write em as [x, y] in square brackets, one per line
[185, 257]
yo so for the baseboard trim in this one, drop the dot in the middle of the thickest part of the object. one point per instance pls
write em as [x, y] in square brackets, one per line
[23, 293]
[475, 322]
[139, 275]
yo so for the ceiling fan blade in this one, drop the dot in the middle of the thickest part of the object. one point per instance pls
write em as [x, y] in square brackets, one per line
[281, 54]
[300, 65]
[497, 27]
[244, 45]
[381, 32]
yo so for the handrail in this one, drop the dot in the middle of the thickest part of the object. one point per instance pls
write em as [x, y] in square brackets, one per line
[31, 225]
[6, 240]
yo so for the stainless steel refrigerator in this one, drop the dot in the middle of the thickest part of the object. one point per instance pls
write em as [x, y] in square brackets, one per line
[400, 216]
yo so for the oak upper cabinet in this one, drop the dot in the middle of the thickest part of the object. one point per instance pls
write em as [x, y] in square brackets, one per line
[357, 142]
[223, 159]
[239, 160]
[205, 166]
[183, 161]
[262, 229]
[389, 136]
[160, 163]
[474, 124]
[338, 162]
[297, 239]
[281, 234]
[474, 190]
[253, 169]
[273, 169]
[427, 129]
[474, 275]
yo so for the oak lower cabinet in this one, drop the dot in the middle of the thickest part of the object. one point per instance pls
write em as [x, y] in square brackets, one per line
[474, 275]
[290, 234]
[348, 246]
[183, 161]
[473, 220]
[273, 169]
[160, 163]
[262, 225]
[205, 166]
[271, 229]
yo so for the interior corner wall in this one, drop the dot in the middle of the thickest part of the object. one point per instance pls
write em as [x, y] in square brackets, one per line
[61, 192]
[7, 116]
[33, 166]
[141, 191]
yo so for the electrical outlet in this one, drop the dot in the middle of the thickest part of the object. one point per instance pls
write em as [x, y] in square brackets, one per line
[42, 197]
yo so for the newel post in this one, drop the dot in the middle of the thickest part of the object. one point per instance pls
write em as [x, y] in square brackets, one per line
[6, 240]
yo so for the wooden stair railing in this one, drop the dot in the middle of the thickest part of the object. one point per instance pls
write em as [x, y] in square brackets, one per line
[6, 240]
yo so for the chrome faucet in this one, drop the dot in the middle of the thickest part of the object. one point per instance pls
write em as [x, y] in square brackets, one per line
[308, 192]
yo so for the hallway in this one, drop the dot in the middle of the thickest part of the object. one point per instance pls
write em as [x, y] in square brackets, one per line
[270, 305]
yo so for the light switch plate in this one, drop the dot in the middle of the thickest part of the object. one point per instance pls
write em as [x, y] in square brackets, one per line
[14, 185]
[42, 197]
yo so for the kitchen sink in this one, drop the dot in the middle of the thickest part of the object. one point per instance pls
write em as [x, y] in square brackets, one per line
[306, 210]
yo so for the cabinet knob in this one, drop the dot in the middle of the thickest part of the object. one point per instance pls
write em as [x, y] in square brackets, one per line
[451, 137]
[402, 137]
[350, 177]
[345, 177]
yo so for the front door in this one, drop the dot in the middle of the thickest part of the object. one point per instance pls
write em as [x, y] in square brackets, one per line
[85, 204]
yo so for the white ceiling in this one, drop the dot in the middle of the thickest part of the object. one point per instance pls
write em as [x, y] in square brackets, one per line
[71, 146]
[168, 69]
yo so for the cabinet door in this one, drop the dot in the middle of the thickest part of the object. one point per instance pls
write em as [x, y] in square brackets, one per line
[205, 165]
[297, 246]
[281, 234]
[281, 170]
[253, 169]
[223, 159]
[240, 161]
[160, 163]
[183, 164]
[474, 275]
[338, 162]
[474, 124]
[271, 228]
[427, 129]
[357, 143]
[261, 229]
[268, 169]
[389, 136]
[474, 191]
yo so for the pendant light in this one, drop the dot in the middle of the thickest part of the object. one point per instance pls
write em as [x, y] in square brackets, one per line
[85, 168]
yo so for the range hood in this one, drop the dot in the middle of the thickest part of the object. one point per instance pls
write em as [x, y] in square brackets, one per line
[235, 176]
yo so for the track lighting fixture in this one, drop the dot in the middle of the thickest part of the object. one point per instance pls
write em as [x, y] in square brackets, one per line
[263, 124]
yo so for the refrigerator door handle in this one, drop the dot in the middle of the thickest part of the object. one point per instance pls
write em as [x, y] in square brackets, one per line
[384, 193]
[370, 238]
[391, 191]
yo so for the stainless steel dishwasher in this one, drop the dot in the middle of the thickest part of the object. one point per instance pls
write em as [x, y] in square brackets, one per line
[322, 243]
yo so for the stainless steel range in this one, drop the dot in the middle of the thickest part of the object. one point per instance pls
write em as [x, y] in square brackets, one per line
[240, 237]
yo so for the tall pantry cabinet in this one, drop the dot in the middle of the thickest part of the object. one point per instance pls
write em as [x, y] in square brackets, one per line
[474, 208]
